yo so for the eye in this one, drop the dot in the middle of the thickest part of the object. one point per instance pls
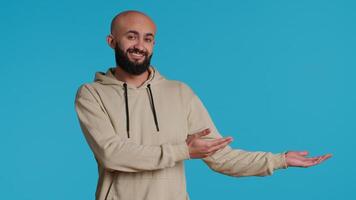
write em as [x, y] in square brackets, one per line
[149, 40]
[131, 37]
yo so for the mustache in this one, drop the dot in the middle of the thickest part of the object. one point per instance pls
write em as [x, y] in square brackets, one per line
[135, 50]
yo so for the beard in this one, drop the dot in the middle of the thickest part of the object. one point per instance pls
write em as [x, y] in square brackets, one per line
[131, 67]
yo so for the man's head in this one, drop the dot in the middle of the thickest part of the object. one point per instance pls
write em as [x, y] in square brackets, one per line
[132, 38]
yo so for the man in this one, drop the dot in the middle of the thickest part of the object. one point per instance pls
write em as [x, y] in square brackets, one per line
[141, 126]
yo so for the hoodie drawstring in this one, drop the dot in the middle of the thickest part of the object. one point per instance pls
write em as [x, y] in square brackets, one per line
[153, 107]
[127, 109]
[127, 112]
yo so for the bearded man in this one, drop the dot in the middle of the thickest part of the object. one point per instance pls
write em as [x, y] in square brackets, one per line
[141, 126]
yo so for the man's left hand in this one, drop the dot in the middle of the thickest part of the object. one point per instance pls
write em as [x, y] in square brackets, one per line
[299, 159]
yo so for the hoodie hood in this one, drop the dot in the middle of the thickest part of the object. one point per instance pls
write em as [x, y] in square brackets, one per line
[109, 78]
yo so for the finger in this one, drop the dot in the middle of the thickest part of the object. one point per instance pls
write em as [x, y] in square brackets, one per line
[323, 158]
[314, 159]
[302, 153]
[219, 141]
[309, 164]
[327, 156]
[318, 159]
[220, 146]
[203, 133]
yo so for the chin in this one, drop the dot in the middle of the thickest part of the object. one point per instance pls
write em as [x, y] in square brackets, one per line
[138, 62]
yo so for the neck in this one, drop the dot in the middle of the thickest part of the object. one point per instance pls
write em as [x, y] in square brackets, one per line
[136, 80]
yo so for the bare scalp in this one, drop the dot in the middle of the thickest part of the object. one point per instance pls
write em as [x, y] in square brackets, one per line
[128, 17]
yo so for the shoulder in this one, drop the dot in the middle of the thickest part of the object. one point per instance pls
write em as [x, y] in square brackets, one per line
[87, 91]
[180, 85]
[180, 88]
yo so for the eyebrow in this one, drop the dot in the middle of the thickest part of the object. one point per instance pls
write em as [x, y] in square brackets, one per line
[150, 34]
[137, 33]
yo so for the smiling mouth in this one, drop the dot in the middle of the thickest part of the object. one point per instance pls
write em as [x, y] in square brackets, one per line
[136, 54]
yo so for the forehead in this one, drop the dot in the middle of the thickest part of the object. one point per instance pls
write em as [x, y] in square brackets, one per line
[134, 22]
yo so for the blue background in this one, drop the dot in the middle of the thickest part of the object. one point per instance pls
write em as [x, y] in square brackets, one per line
[275, 75]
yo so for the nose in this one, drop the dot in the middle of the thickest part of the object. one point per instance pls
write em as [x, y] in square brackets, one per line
[139, 45]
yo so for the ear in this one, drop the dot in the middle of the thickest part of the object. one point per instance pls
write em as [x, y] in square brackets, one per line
[111, 41]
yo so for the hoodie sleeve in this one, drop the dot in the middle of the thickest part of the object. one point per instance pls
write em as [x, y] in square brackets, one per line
[111, 151]
[232, 162]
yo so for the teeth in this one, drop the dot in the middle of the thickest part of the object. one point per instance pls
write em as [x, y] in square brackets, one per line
[137, 54]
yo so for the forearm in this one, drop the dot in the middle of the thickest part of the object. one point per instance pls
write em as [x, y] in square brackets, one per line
[235, 162]
[115, 154]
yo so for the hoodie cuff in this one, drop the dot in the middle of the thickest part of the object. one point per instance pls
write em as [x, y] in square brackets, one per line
[279, 161]
[180, 152]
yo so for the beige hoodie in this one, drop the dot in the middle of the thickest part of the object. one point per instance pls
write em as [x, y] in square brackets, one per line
[138, 138]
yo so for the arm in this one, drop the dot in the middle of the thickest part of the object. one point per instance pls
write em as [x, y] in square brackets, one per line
[111, 151]
[232, 162]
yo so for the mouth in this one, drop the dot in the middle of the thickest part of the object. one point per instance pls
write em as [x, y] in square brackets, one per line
[136, 54]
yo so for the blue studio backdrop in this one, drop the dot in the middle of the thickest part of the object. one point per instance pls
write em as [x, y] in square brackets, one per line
[275, 75]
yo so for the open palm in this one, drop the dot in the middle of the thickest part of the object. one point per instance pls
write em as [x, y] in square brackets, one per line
[299, 159]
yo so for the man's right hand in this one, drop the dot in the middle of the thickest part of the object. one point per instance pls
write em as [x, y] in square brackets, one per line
[201, 148]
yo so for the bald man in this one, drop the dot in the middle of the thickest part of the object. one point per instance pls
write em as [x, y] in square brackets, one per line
[141, 126]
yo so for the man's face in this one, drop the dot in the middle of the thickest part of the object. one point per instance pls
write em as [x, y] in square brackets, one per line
[133, 43]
